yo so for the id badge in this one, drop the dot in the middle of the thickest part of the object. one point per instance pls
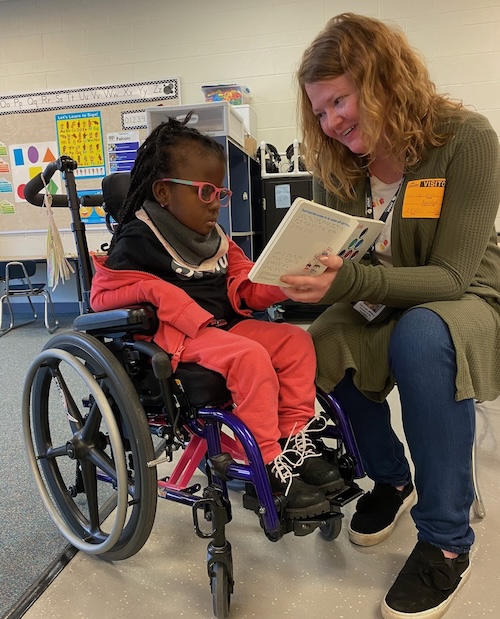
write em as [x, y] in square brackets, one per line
[423, 199]
[369, 310]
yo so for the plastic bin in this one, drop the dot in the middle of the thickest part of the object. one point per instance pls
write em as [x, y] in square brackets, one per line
[232, 93]
[215, 119]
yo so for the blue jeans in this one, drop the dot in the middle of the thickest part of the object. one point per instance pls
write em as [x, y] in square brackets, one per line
[439, 431]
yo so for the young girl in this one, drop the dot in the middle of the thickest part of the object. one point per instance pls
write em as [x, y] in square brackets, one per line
[168, 250]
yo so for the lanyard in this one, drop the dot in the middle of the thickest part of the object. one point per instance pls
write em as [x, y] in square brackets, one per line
[369, 200]
[385, 214]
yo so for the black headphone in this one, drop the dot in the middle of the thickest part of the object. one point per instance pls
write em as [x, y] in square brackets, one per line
[272, 158]
[289, 156]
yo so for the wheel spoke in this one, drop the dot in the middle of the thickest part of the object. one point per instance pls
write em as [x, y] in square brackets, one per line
[90, 484]
[102, 461]
[53, 452]
[72, 411]
[106, 464]
[92, 423]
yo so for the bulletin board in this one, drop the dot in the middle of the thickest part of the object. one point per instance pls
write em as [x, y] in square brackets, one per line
[84, 123]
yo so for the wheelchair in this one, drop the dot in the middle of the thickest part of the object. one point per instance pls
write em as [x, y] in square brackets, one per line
[103, 413]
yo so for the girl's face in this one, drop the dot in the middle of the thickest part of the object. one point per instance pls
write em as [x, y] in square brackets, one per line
[335, 104]
[183, 201]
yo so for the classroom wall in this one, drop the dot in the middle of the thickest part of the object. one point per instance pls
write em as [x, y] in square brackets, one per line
[51, 44]
[54, 44]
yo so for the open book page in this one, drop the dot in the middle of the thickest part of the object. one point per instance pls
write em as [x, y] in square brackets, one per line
[361, 239]
[308, 231]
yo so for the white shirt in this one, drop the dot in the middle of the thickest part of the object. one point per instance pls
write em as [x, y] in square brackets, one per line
[382, 193]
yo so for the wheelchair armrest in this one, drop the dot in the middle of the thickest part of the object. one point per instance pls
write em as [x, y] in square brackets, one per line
[135, 319]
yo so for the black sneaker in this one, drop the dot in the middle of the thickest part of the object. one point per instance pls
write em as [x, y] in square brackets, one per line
[306, 459]
[426, 585]
[377, 513]
[303, 500]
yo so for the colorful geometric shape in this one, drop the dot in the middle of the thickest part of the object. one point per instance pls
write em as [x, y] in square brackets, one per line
[33, 154]
[5, 186]
[18, 156]
[49, 156]
[34, 171]
[6, 208]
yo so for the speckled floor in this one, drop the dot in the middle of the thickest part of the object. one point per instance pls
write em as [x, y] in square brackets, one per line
[293, 578]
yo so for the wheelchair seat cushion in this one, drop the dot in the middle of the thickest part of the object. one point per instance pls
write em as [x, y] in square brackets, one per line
[202, 386]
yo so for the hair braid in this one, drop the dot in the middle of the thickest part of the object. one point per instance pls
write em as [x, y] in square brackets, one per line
[157, 157]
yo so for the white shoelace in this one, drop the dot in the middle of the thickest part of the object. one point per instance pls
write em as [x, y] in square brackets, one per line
[282, 468]
[294, 455]
[300, 446]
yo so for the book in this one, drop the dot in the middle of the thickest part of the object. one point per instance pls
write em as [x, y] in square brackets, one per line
[308, 231]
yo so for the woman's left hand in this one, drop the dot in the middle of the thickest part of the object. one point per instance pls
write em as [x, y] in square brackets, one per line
[308, 289]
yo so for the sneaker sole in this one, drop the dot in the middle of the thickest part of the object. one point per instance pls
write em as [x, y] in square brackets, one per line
[371, 539]
[432, 613]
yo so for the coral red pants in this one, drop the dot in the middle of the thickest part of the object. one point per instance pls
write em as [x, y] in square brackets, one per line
[269, 369]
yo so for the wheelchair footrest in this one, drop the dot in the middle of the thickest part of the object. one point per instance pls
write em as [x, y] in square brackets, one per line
[348, 494]
[299, 527]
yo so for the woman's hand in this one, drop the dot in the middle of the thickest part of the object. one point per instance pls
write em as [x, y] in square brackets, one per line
[309, 289]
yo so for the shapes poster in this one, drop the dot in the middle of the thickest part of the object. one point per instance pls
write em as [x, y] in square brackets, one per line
[28, 160]
[80, 137]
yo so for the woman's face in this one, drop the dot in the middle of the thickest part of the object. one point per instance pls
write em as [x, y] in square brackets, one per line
[335, 104]
[183, 201]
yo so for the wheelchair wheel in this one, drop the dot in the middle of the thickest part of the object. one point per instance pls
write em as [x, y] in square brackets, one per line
[332, 530]
[89, 443]
[221, 587]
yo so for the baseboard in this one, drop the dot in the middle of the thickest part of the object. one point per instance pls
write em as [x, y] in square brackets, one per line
[40, 585]
[61, 308]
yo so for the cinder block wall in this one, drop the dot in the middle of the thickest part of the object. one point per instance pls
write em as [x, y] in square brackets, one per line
[53, 44]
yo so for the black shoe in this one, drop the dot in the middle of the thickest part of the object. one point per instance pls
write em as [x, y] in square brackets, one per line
[377, 513]
[306, 459]
[302, 500]
[426, 585]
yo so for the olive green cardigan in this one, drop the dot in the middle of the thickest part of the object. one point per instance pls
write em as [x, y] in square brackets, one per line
[450, 265]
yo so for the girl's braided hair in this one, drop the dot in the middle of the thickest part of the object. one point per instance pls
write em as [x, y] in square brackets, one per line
[159, 156]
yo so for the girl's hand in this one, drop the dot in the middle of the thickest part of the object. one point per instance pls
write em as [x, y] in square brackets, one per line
[308, 289]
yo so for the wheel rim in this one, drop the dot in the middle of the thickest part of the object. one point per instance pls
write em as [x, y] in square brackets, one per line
[50, 420]
[47, 460]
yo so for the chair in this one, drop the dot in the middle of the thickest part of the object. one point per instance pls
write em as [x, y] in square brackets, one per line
[17, 279]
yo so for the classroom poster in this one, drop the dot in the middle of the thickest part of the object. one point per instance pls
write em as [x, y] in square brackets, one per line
[122, 150]
[28, 160]
[80, 137]
[91, 214]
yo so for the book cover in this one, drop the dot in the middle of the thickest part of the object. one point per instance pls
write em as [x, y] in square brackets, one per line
[308, 231]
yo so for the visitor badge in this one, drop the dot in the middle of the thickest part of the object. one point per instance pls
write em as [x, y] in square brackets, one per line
[424, 198]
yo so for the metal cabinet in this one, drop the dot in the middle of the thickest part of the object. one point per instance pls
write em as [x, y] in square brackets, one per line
[278, 193]
[240, 219]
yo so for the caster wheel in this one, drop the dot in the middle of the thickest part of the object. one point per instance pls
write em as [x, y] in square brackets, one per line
[331, 531]
[222, 587]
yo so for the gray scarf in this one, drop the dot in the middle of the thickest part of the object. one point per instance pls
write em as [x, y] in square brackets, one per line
[194, 248]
